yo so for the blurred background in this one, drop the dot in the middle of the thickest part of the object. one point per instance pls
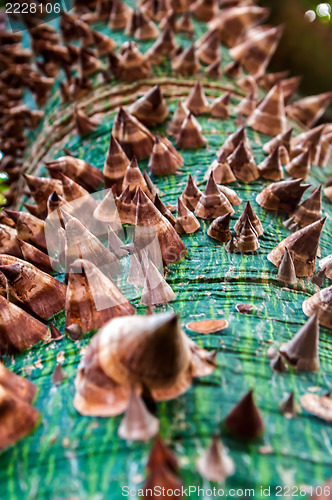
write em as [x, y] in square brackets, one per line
[306, 46]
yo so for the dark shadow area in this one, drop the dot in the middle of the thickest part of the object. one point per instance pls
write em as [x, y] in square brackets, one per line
[305, 48]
